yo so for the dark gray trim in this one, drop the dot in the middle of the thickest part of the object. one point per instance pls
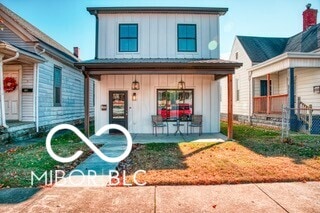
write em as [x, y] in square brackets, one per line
[96, 72]
[291, 89]
[175, 10]
[97, 35]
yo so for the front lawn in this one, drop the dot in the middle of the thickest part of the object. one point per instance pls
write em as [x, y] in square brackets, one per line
[17, 164]
[258, 155]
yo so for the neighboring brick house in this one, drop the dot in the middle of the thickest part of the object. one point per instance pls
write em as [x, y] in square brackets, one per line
[49, 89]
[276, 72]
[171, 52]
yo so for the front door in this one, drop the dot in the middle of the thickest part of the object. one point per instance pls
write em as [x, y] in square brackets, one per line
[11, 99]
[118, 113]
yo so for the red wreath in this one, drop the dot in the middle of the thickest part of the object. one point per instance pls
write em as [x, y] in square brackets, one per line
[9, 84]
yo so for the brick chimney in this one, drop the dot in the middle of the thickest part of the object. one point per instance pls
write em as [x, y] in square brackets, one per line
[76, 51]
[309, 17]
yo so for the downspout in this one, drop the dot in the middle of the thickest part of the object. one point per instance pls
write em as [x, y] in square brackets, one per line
[36, 83]
[97, 34]
[2, 62]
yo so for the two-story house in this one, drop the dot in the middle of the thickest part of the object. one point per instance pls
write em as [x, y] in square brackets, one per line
[39, 85]
[157, 60]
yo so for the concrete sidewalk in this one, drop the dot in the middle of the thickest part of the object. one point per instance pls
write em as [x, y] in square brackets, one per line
[267, 197]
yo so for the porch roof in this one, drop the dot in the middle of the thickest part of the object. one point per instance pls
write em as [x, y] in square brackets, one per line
[158, 66]
[285, 61]
[9, 50]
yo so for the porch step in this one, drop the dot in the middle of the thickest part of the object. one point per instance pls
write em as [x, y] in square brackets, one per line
[4, 136]
[17, 132]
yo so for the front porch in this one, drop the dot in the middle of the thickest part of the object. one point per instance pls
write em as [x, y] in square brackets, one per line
[165, 85]
[270, 93]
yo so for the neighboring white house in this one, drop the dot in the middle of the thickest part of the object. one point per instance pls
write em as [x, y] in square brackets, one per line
[40, 87]
[276, 72]
[157, 47]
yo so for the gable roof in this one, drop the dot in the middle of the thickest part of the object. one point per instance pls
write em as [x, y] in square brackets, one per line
[260, 49]
[39, 35]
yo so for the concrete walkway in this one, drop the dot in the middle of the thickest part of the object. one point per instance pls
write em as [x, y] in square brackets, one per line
[270, 197]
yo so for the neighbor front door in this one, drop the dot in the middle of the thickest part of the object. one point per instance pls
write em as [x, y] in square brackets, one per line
[118, 113]
[11, 99]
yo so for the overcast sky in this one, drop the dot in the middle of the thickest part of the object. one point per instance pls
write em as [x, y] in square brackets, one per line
[69, 23]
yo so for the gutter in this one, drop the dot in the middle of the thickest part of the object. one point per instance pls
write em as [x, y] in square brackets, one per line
[3, 114]
[287, 55]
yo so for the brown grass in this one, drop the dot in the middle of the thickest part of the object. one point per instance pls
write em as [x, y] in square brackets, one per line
[263, 160]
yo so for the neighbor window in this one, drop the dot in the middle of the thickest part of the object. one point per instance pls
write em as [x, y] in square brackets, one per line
[57, 86]
[173, 103]
[187, 38]
[128, 38]
[237, 90]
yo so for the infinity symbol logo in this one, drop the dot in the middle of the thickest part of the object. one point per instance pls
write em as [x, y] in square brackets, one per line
[89, 143]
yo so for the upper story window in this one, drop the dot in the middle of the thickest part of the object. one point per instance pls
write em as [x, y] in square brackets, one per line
[187, 38]
[128, 38]
[57, 86]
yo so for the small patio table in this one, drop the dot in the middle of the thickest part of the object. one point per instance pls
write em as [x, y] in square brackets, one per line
[178, 123]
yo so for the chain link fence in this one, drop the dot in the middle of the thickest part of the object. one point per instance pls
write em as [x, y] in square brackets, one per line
[305, 120]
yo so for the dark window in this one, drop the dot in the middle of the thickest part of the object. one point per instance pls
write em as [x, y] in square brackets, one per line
[173, 103]
[264, 88]
[57, 86]
[128, 38]
[187, 38]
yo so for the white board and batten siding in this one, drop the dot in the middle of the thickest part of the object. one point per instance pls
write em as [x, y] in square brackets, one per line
[240, 107]
[157, 35]
[206, 99]
[72, 103]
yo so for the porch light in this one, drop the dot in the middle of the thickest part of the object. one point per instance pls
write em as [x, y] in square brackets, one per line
[134, 96]
[316, 89]
[181, 84]
[135, 84]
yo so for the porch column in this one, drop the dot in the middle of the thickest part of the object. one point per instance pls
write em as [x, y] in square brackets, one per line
[291, 90]
[86, 104]
[268, 94]
[3, 119]
[230, 107]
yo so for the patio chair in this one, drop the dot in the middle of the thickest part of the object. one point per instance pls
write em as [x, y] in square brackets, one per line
[196, 121]
[157, 121]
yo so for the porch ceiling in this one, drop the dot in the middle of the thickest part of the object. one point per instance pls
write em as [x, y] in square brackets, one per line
[158, 66]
